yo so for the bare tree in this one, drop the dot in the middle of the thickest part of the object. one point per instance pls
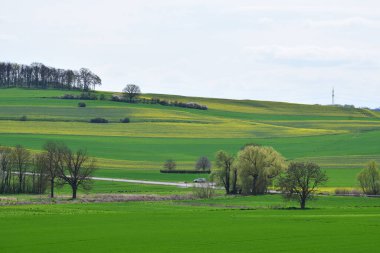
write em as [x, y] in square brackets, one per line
[6, 169]
[131, 91]
[76, 169]
[301, 180]
[170, 164]
[21, 159]
[53, 161]
[203, 163]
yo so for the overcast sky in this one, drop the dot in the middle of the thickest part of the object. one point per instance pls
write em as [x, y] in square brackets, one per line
[282, 50]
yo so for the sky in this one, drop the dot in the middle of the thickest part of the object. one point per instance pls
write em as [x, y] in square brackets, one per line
[277, 50]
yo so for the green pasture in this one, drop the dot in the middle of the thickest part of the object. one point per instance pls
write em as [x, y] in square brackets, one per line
[242, 224]
[341, 140]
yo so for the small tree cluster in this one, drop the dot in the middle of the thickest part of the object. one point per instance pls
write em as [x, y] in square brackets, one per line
[22, 172]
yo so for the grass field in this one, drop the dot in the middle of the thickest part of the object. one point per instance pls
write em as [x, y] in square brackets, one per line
[341, 140]
[242, 224]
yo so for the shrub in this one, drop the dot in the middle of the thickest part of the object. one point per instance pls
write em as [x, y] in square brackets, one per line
[23, 118]
[98, 120]
[125, 120]
[204, 190]
[68, 96]
[102, 97]
[351, 192]
[87, 96]
[81, 104]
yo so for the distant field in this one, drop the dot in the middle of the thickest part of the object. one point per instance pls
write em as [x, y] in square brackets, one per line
[342, 140]
[242, 224]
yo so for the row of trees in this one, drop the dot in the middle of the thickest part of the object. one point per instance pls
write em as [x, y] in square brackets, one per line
[37, 75]
[23, 172]
[255, 168]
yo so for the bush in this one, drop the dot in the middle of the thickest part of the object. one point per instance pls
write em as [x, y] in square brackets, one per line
[343, 191]
[125, 120]
[81, 104]
[23, 118]
[102, 97]
[87, 96]
[98, 120]
[68, 96]
[204, 190]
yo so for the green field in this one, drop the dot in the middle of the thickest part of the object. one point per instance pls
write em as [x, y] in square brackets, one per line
[341, 140]
[224, 224]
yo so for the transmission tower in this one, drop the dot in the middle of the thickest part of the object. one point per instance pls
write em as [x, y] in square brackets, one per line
[333, 96]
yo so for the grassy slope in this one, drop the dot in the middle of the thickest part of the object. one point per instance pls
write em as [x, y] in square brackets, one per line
[340, 139]
[338, 225]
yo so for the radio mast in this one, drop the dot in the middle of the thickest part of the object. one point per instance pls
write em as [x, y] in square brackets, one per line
[333, 96]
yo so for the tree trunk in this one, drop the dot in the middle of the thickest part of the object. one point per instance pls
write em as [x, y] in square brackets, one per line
[74, 192]
[303, 203]
[52, 188]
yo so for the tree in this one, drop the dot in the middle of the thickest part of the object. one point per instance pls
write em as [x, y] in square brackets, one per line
[369, 179]
[203, 163]
[52, 160]
[5, 169]
[301, 180]
[258, 166]
[76, 169]
[170, 164]
[21, 159]
[131, 91]
[223, 174]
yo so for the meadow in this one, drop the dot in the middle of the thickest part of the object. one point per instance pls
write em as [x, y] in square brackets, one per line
[342, 140]
[223, 224]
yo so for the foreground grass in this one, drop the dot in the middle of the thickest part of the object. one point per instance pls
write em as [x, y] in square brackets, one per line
[219, 225]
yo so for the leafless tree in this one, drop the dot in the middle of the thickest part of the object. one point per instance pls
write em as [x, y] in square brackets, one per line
[53, 161]
[21, 159]
[6, 169]
[131, 91]
[203, 163]
[170, 164]
[76, 169]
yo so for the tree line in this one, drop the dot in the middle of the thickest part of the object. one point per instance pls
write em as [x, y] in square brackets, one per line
[24, 172]
[37, 75]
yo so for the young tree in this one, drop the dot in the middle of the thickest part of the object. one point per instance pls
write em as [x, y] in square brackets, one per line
[21, 158]
[203, 163]
[223, 174]
[76, 169]
[170, 164]
[53, 161]
[301, 180]
[257, 168]
[369, 179]
[131, 91]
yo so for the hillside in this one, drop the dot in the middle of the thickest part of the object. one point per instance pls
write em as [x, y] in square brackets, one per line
[340, 139]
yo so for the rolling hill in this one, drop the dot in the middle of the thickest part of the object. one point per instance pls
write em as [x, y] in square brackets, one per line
[340, 139]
